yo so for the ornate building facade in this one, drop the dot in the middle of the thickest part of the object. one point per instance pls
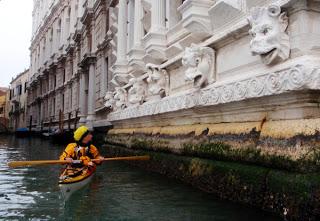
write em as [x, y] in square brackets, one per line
[152, 58]
[69, 62]
[176, 74]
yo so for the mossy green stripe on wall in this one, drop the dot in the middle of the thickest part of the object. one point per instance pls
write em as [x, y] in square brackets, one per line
[269, 189]
[246, 153]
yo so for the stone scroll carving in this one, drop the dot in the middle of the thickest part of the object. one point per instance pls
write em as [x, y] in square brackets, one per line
[137, 93]
[158, 81]
[199, 62]
[268, 31]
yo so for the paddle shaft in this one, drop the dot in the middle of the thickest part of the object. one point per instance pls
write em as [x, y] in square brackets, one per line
[146, 157]
[46, 162]
[36, 162]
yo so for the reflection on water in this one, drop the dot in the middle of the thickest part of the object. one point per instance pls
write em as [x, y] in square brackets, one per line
[117, 192]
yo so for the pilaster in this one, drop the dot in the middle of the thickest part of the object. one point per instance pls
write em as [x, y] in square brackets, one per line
[120, 67]
[155, 40]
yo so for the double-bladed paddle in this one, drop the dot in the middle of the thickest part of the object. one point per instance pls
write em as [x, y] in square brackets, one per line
[46, 162]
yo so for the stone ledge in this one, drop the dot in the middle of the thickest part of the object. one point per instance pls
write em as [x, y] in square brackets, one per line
[275, 129]
[302, 76]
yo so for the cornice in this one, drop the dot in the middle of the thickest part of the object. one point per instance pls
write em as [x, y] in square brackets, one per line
[77, 36]
[88, 58]
[99, 7]
[87, 16]
[70, 48]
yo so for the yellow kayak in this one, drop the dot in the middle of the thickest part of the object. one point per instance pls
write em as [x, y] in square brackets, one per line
[73, 179]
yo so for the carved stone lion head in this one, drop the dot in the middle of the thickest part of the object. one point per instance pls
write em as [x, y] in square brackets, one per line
[136, 94]
[109, 100]
[268, 31]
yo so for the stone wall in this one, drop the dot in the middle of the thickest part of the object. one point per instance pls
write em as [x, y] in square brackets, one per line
[291, 195]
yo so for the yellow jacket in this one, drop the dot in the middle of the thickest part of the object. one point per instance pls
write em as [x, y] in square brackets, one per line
[80, 153]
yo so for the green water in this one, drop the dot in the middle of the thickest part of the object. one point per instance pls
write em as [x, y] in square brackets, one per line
[117, 192]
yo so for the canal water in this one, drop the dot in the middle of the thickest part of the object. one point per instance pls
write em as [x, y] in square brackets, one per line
[117, 192]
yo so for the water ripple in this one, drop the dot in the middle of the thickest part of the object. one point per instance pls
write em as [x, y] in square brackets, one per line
[117, 192]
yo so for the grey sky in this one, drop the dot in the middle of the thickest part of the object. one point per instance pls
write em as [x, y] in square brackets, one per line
[15, 38]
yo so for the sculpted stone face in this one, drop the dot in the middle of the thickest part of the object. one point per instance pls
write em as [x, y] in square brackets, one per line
[269, 39]
[136, 94]
[157, 80]
[199, 63]
[120, 98]
[110, 102]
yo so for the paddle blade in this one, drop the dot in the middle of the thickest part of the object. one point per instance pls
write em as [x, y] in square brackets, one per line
[35, 163]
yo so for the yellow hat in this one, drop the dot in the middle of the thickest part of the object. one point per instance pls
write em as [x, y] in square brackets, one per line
[80, 133]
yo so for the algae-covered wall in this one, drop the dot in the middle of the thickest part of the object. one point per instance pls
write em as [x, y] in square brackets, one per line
[292, 195]
[244, 162]
[292, 145]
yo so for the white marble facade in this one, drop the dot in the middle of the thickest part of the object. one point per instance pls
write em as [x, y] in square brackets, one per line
[114, 61]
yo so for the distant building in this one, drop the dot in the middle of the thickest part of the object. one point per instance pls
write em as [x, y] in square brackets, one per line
[69, 63]
[3, 110]
[3, 93]
[18, 101]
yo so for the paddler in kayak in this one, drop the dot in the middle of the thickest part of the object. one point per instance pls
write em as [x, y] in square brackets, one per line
[82, 150]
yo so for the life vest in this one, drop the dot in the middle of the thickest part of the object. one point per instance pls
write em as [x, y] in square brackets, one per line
[76, 152]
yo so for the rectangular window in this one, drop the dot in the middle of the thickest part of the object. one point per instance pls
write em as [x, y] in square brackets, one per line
[25, 87]
[1, 110]
[62, 102]
[55, 82]
[54, 106]
[19, 89]
[107, 74]
[64, 75]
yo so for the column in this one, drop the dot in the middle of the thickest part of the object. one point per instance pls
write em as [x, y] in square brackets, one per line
[70, 97]
[80, 8]
[104, 72]
[82, 99]
[91, 96]
[158, 16]
[173, 15]
[138, 27]
[155, 40]
[131, 29]
[122, 33]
